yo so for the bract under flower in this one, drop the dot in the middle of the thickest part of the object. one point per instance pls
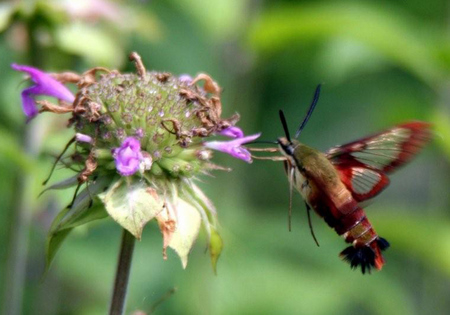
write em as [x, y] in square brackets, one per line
[128, 156]
[234, 147]
[44, 85]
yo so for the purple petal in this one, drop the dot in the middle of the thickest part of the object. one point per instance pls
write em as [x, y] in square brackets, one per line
[232, 132]
[28, 104]
[234, 147]
[44, 85]
[128, 156]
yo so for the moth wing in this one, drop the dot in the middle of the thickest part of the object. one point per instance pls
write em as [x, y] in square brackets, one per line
[363, 165]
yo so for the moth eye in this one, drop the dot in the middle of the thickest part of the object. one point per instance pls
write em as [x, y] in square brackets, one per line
[290, 150]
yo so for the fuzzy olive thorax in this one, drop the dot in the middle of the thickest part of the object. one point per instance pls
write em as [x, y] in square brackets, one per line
[312, 163]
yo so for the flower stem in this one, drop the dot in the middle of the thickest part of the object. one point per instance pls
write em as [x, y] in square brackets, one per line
[122, 274]
[16, 262]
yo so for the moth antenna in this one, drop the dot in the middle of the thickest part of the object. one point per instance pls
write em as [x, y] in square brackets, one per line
[308, 211]
[285, 127]
[310, 111]
[291, 189]
[58, 158]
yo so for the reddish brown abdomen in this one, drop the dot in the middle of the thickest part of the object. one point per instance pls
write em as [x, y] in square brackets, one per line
[341, 211]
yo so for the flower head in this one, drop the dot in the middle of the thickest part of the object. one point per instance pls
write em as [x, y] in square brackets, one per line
[152, 128]
[128, 156]
[44, 85]
[234, 147]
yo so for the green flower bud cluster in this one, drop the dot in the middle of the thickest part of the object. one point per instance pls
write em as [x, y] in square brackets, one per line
[168, 116]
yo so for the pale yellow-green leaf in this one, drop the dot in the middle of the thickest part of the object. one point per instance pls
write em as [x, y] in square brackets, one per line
[391, 34]
[218, 19]
[99, 46]
[186, 232]
[441, 122]
[427, 239]
[6, 12]
[145, 24]
[132, 205]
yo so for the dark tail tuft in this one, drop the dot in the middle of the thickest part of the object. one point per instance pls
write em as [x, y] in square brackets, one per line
[367, 256]
[382, 243]
[362, 256]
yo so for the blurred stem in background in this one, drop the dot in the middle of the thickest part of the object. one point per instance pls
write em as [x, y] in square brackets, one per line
[22, 214]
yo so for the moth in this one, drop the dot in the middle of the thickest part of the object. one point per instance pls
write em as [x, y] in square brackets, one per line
[335, 183]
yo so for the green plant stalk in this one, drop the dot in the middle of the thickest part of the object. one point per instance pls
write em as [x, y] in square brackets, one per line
[22, 214]
[122, 274]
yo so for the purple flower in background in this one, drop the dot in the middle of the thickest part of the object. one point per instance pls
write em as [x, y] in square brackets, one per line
[128, 156]
[232, 132]
[44, 85]
[234, 147]
[79, 137]
[185, 78]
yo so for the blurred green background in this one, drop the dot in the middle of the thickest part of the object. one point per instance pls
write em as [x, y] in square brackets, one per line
[381, 64]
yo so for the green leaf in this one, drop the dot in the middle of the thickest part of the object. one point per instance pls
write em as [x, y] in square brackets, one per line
[82, 201]
[78, 214]
[215, 248]
[132, 205]
[389, 33]
[65, 183]
[58, 232]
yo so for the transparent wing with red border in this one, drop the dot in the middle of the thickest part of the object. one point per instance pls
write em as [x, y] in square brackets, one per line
[363, 164]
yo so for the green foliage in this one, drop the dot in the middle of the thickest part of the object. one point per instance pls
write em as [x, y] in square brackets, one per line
[12, 153]
[96, 45]
[80, 212]
[6, 12]
[384, 30]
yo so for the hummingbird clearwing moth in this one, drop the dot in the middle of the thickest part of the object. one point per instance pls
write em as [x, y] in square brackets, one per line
[335, 182]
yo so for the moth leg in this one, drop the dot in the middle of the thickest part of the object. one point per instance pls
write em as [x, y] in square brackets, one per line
[264, 149]
[272, 158]
[308, 210]
[291, 188]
